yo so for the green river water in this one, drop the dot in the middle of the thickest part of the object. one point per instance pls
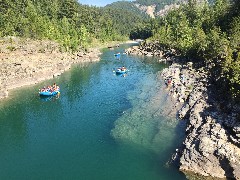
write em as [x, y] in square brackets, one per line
[102, 127]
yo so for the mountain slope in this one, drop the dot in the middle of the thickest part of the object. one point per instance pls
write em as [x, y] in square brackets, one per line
[126, 6]
[150, 8]
[159, 4]
[125, 16]
[144, 8]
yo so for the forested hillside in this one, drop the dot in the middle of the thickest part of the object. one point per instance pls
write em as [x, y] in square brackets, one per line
[125, 16]
[126, 6]
[66, 21]
[71, 24]
[209, 34]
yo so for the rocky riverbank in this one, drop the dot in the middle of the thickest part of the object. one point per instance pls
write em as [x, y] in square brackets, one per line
[211, 148]
[153, 49]
[25, 62]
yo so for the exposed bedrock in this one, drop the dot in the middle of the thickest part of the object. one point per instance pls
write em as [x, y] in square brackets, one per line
[25, 62]
[211, 149]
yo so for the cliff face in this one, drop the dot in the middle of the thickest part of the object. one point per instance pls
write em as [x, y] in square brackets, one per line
[149, 10]
[166, 9]
[211, 147]
[157, 7]
[152, 12]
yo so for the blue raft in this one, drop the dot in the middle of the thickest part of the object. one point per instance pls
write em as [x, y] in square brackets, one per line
[117, 55]
[49, 93]
[121, 71]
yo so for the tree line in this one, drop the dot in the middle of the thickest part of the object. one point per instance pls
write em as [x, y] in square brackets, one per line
[209, 34]
[68, 22]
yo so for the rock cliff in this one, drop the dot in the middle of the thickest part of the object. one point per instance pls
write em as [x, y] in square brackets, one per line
[212, 144]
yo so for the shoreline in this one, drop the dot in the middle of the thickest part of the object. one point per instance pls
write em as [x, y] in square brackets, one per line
[211, 148]
[25, 62]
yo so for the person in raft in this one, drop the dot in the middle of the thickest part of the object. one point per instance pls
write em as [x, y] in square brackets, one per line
[123, 68]
[52, 88]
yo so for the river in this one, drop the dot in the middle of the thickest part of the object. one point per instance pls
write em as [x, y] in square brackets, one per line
[103, 126]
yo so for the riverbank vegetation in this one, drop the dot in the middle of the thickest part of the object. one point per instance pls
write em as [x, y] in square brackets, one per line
[66, 21]
[209, 34]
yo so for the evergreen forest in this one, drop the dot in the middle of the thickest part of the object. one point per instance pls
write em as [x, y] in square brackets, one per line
[66, 21]
[209, 35]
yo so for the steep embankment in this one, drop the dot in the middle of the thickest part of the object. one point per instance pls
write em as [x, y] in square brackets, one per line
[25, 62]
[212, 144]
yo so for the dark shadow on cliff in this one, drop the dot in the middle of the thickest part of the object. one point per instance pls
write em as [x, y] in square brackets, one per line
[225, 164]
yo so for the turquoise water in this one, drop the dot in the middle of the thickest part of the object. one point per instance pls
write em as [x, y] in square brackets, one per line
[102, 126]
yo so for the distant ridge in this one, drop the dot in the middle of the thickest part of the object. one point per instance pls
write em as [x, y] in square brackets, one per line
[151, 8]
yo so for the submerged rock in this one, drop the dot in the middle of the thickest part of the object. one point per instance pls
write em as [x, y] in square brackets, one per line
[145, 124]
